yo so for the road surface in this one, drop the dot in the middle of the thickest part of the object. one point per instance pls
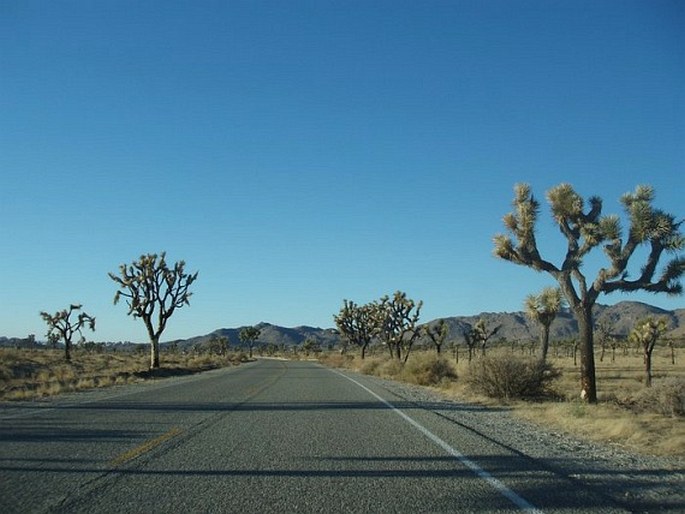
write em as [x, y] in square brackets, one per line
[269, 436]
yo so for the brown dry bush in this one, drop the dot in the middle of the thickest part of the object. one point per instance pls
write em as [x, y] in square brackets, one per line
[507, 377]
[370, 366]
[337, 359]
[666, 398]
[428, 370]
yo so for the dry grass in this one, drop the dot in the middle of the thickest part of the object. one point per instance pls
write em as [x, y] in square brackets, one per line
[648, 433]
[655, 428]
[32, 374]
[422, 368]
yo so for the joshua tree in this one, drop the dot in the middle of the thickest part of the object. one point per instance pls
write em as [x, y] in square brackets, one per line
[356, 324]
[646, 333]
[311, 345]
[543, 309]
[53, 340]
[218, 344]
[61, 326]
[395, 321]
[478, 334]
[437, 333]
[603, 332]
[471, 341]
[584, 231]
[151, 286]
[482, 333]
[249, 336]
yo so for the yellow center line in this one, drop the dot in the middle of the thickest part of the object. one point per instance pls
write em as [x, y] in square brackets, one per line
[144, 448]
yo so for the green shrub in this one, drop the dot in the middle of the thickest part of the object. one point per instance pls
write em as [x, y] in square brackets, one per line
[507, 377]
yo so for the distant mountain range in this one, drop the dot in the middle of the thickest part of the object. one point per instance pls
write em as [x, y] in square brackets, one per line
[514, 327]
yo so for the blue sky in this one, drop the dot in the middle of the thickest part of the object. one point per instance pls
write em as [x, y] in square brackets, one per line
[298, 153]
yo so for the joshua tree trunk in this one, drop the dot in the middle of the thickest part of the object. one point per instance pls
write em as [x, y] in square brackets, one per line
[154, 352]
[154, 343]
[588, 386]
[544, 343]
[67, 350]
[648, 367]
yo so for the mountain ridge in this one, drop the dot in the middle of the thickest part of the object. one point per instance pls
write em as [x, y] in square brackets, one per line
[514, 326]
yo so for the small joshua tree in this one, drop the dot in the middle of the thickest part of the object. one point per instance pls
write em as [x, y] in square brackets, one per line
[437, 333]
[249, 336]
[646, 333]
[356, 324]
[479, 334]
[62, 326]
[543, 309]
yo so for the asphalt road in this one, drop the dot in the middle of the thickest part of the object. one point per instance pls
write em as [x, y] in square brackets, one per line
[270, 436]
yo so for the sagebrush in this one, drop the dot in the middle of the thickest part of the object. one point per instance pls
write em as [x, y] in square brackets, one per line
[507, 377]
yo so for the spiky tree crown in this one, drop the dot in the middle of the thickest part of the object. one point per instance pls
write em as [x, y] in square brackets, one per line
[585, 228]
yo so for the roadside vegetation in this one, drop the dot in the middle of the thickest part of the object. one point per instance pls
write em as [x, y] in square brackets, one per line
[32, 374]
[649, 420]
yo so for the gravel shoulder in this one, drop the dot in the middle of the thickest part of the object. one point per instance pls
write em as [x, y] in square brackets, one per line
[638, 483]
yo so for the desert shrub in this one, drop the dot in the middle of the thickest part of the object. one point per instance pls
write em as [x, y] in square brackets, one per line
[370, 366]
[666, 398]
[239, 357]
[507, 377]
[428, 370]
[389, 368]
[336, 359]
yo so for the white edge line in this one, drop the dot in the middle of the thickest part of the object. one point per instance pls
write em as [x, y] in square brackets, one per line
[480, 472]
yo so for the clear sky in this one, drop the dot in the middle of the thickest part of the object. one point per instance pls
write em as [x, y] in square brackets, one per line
[298, 153]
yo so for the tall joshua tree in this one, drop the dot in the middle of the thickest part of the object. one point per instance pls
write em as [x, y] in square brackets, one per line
[585, 229]
[61, 326]
[152, 287]
[543, 309]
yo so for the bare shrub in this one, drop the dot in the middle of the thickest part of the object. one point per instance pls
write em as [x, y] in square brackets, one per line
[666, 398]
[507, 377]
